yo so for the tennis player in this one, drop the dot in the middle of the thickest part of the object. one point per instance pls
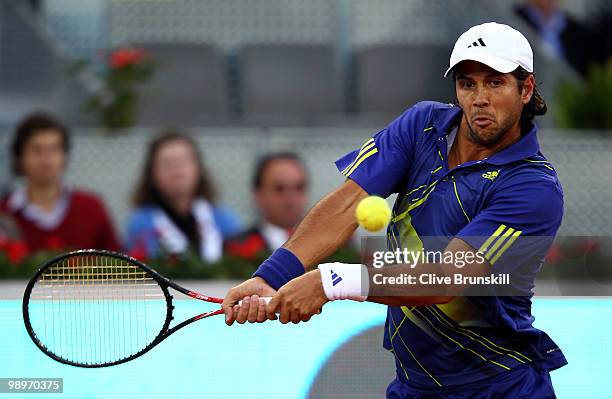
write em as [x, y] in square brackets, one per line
[472, 172]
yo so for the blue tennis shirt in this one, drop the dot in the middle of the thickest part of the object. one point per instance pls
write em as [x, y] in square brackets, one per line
[495, 204]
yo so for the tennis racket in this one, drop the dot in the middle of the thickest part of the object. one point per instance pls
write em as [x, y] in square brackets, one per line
[92, 308]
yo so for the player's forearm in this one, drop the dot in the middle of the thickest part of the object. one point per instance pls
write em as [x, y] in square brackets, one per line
[328, 225]
[383, 289]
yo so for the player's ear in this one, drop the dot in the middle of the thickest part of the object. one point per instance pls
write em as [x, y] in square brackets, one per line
[527, 89]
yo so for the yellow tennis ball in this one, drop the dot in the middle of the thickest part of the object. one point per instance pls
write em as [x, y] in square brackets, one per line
[373, 213]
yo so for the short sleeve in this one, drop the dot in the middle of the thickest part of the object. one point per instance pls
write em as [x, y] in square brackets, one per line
[519, 223]
[383, 160]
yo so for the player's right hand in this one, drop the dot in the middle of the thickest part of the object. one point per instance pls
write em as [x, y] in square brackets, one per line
[253, 308]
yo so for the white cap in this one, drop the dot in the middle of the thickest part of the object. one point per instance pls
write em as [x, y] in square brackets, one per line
[496, 45]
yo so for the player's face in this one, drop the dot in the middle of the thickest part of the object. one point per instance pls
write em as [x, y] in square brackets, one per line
[175, 170]
[491, 101]
[43, 157]
[282, 197]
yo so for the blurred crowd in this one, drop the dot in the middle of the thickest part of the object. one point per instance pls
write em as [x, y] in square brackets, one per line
[175, 207]
[580, 44]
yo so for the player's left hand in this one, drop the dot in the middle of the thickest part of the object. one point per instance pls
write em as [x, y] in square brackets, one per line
[299, 299]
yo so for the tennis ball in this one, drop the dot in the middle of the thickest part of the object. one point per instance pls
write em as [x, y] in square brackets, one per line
[373, 213]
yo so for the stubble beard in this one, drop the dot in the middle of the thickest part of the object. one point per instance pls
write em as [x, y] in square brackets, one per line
[495, 137]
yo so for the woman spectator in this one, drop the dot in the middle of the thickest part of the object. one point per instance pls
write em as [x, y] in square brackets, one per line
[50, 214]
[174, 201]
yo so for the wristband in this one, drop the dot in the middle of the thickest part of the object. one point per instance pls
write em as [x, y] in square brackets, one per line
[344, 281]
[280, 268]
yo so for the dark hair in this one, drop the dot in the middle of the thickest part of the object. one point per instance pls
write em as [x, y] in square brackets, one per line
[30, 125]
[147, 193]
[535, 106]
[266, 160]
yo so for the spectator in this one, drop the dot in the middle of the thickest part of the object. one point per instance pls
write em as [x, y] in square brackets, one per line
[565, 37]
[280, 192]
[50, 214]
[175, 204]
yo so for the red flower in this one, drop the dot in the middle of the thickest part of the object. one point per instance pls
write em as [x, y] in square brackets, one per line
[125, 57]
[138, 253]
[248, 248]
[16, 251]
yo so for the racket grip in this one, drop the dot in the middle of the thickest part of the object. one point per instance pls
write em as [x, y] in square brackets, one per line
[265, 298]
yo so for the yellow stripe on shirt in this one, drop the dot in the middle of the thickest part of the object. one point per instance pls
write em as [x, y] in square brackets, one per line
[485, 246]
[506, 245]
[366, 146]
[493, 248]
[498, 243]
[363, 158]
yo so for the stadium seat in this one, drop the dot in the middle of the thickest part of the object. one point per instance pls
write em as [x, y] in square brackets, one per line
[189, 86]
[289, 84]
[391, 78]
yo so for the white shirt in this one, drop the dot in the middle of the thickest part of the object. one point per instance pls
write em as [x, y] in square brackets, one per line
[275, 236]
[19, 202]
[175, 241]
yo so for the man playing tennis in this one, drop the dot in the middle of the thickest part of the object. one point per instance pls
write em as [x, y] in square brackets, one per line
[473, 173]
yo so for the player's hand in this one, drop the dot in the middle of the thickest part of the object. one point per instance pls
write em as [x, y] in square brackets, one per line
[253, 308]
[299, 299]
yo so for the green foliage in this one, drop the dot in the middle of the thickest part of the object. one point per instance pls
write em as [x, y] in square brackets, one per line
[586, 105]
[187, 266]
[24, 268]
[190, 266]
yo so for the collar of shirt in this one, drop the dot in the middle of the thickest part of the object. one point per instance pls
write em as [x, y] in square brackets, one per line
[275, 236]
[525, 147]
[19, 202]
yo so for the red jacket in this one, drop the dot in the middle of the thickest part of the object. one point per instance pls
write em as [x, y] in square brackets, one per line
[86, 224]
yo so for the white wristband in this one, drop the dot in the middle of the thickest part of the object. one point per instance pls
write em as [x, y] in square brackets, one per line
[344, 280]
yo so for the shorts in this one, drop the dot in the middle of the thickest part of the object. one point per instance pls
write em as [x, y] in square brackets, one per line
[522, 382]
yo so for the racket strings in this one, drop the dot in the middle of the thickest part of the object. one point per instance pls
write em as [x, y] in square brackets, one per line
[94, 309]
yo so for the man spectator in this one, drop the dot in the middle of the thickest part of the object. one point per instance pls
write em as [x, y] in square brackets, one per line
[279, 188]
[50, 214]
[565, 37]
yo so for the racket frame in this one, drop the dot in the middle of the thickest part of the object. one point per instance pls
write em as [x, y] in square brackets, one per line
[163, 283]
